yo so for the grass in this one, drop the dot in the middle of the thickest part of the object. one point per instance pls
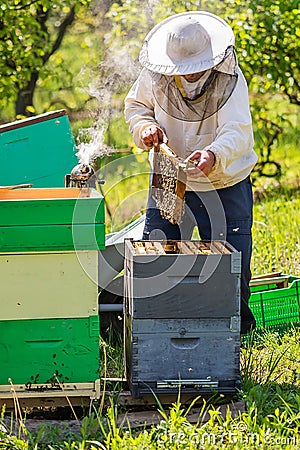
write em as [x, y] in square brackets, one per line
[125, 189]
[270, 389]
[276, 241]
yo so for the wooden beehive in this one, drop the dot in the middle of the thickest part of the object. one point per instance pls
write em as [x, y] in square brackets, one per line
[49, 322]
[182, 316]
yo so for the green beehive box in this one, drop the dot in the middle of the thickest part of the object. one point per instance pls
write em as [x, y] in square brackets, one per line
[49, 351]
[51, 219]
[39, 150]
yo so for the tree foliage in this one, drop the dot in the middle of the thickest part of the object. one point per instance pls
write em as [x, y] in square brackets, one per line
[267, 35]
[31, 31]
[267, 44]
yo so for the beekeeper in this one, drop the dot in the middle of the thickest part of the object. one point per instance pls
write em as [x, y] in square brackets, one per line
[192, 95]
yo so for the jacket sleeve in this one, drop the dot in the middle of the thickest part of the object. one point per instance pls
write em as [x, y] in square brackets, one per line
[234, 136]
[139, 107]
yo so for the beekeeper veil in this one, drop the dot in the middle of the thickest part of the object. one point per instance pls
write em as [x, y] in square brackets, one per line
[189, 43]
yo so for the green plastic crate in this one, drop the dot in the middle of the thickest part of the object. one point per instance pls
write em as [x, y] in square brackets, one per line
[274, 307]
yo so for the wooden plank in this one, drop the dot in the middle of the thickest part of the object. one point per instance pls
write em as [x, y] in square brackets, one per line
[148, 418]
[139, 248]
[124, 398]
[194, 248]
[159, 248]
[220, 246]
[44, 402]
[279, 281]
[40, 193]
[171, 247]
[150, 249]
[214, 249]
[184, 248]
[267, 275]
[78, 394]
[205, 248]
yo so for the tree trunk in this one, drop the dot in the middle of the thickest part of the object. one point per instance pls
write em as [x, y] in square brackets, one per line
[25, 96]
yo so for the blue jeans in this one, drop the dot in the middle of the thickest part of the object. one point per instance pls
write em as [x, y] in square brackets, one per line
[224, 214]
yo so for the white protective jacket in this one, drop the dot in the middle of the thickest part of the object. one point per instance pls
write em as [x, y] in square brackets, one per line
[228, 133]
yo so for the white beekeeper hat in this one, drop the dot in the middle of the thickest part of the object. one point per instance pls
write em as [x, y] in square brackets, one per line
[186, 43]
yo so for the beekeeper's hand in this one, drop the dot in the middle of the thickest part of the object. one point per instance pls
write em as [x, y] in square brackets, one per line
[203, 163]
[153, 135]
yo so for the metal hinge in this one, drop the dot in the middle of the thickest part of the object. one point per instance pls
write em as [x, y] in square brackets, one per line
[236, 263]
[235, 323]
[201, 383]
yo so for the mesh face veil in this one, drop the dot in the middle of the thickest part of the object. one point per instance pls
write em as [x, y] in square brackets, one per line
[206, 97]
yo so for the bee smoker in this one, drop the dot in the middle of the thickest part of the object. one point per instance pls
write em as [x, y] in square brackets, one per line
[82, 175]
